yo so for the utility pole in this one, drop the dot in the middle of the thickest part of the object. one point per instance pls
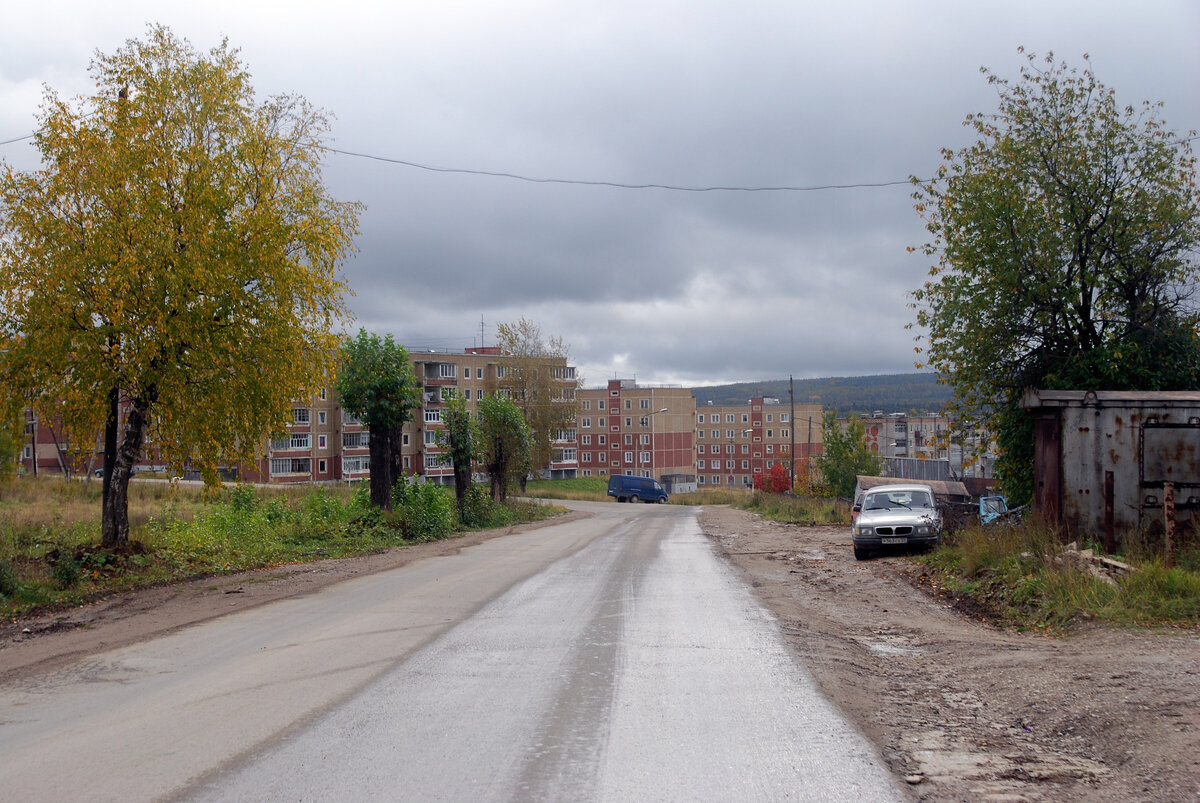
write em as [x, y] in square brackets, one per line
[792, 429]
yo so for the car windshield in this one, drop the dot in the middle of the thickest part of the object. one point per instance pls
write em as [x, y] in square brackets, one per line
[885, 500]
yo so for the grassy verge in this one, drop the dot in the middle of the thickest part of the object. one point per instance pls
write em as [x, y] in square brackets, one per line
[580, 489]
[50, 531]
[1023, 577]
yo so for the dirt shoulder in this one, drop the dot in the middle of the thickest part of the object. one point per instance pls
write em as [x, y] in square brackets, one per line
[42, 642]
[964, 710]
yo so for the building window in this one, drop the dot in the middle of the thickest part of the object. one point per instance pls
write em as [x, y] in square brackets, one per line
[300, 440]
[600, 404]
[628, 421]
[645, 404]
[291, 465]
[783, 418]
[629, 404]
[770, 417]
[716, 434]
[628, 440]
[564, 456]
[353, 465]
[321, 417]
[645, 422]
[587, 473]
[600, 439]
[430, 437]
[433, 416]
[745, 418]
[700, 434]
[431, 461]
[629, 458]
[321, 467]
[322, 394]
[700, 418]
[479, 373]
[586, 440]
[645, 440]
[406, 439]
[586, 423]
[408, 461]
[300, 415]
[587, 457]
[322, 443]
[349, 420]
[701, 479]
[729, 448]
[356, 440]
[729, 418]
[745, 448]
[700, 449]
[770, 433]
[587, 404]
[645, 456]
[784, 433]
[447, 370]
[601, 422]
[729, 434]
[700, 465]
[746, 465]
[729, 464]
[602, 457]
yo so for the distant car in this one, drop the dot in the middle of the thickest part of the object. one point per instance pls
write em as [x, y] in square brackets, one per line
[896, 515]
[628, 488]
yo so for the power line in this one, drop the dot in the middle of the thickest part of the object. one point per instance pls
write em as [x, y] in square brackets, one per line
[615, 184]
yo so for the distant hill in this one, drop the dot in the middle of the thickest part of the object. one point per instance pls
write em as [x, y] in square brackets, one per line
[858, 395]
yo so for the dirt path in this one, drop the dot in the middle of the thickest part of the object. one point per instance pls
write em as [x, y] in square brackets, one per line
[963, 710]
[966, 711]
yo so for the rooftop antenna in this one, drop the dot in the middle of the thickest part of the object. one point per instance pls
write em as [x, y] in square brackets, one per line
[481, 331]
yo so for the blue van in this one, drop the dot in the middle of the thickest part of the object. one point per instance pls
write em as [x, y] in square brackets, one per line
[628, 488]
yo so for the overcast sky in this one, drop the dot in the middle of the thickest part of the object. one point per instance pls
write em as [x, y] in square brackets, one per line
[664, 286]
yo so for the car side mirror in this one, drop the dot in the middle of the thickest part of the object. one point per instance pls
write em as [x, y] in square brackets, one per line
[857, 508]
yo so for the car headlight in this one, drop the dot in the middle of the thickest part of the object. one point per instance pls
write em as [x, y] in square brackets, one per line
[862, 530]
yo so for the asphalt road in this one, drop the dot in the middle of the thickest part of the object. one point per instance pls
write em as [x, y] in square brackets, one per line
[610, 658]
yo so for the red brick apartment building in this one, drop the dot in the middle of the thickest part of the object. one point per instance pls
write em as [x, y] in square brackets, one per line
[736, 442]
[625, 428]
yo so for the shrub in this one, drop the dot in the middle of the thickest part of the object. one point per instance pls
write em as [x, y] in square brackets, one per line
[8, 578]
[425, 510]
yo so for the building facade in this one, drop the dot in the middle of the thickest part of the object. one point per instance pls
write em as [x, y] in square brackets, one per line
[735, 443]
[626, 428]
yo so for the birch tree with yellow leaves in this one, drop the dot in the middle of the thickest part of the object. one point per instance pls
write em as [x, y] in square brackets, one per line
[176, 258]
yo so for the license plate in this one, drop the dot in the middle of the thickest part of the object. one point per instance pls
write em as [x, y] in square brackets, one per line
[894, 540]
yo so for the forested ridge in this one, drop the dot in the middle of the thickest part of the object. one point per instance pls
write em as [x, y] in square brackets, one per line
[859, 395]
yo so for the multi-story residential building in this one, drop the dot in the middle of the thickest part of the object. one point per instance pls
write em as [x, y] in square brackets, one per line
[469, 375]
[898, 438]
[625, 428]
[736, 442]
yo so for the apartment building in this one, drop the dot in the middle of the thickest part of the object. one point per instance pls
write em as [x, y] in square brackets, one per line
[734, 443]
[626, 428]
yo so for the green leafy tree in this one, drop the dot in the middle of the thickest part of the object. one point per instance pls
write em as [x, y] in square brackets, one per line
[460, 439]
[12, 435]
[505, 442]
[1065, 240]
[535, 376]
[173, 265]
[845, 455]
[376, 384]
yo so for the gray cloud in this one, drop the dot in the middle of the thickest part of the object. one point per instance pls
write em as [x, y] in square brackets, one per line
[672, 287]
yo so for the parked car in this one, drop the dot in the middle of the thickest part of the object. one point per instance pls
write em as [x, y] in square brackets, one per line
[896, 515]
[628, 488]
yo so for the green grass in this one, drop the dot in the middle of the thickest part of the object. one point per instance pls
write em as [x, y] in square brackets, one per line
[50, 531]
[1019, 577]
[584, 489]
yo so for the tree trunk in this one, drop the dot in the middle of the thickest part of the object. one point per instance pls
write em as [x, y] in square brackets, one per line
[110, 440]
[115, 511]
[381, 467]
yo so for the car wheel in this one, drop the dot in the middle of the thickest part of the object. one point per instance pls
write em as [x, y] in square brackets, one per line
[634, 500]
[861, 553]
